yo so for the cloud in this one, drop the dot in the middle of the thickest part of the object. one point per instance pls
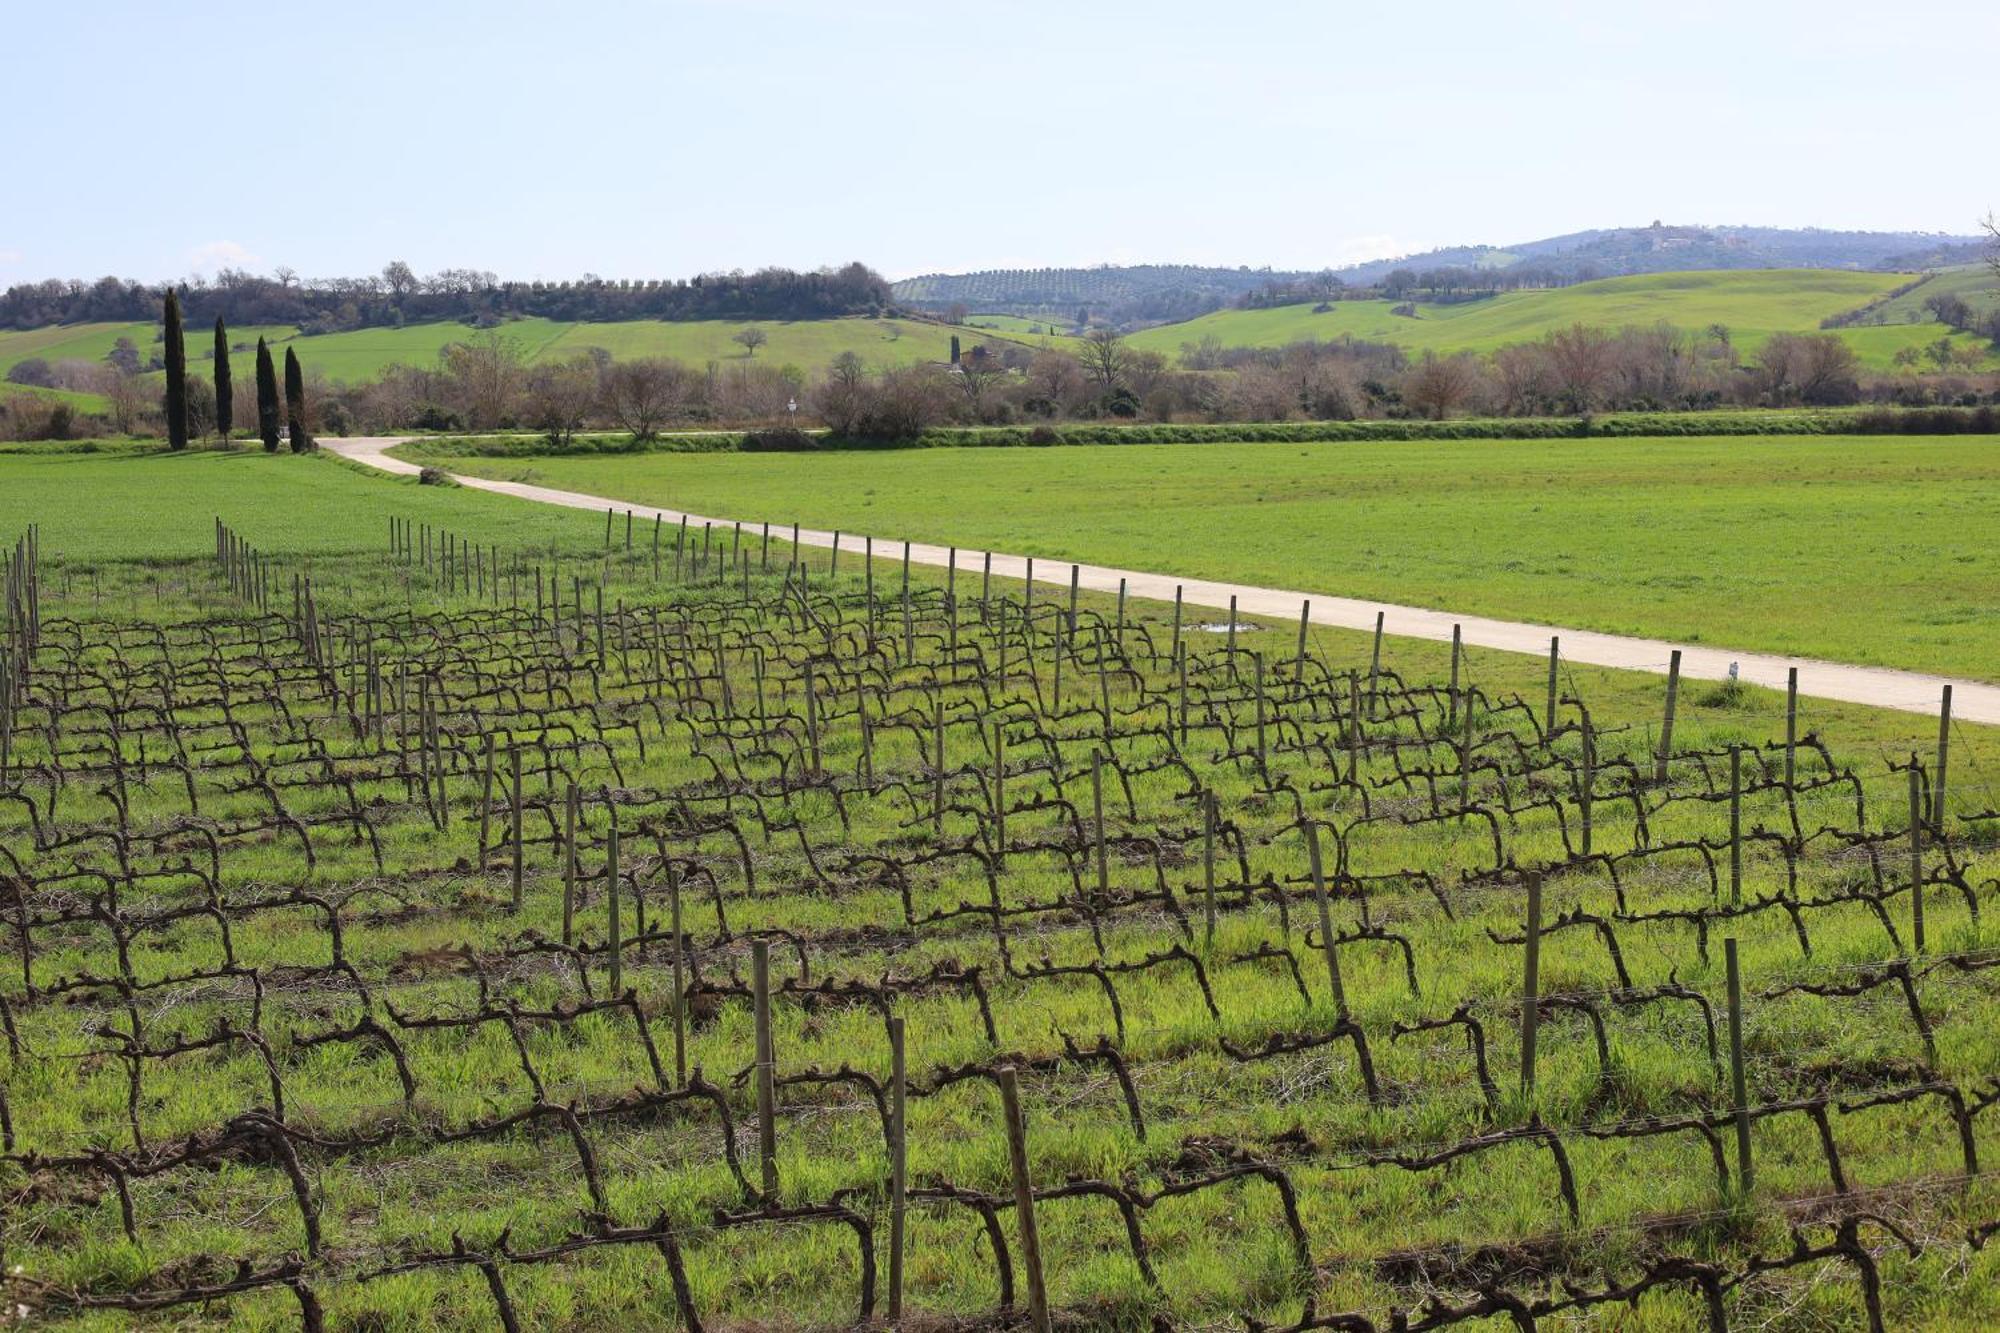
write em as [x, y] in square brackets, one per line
[221, 254]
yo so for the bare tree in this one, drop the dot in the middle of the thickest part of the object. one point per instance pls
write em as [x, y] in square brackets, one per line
[1814, 368]
[400, 279]
[1055, 381]
[643, 394]
[126, 396]
[751, 338]
[1439, 385]
[1104, 358]
[1203, 355]
[560, 397]
[1580, 362]
[484, 375]
[976, 374]
[1991, 222]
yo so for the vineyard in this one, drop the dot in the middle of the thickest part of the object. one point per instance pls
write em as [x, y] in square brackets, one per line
[689, 930]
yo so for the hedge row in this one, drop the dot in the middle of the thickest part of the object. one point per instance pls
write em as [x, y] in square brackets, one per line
[1871, 421]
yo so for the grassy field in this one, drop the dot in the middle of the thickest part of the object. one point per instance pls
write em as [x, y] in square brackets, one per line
[361, 354]
[1974, 284]
[214, 1106]
[1753, 305]
[1015, 324]
[141, 502]
[1872, 550]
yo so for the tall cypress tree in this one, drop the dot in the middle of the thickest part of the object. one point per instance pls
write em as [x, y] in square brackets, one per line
[295, 403]
[225, 390]
[267, 398]
[177, 389]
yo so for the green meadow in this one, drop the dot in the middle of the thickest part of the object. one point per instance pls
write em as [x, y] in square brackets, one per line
[1862, 549]
[362, 353]
[1751, 304]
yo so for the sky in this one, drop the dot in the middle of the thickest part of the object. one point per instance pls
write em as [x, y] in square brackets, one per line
[645, 140]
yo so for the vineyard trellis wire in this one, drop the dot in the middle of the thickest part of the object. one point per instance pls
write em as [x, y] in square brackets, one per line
[684, 755]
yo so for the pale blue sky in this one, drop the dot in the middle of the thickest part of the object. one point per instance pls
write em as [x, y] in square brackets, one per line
[659, 140]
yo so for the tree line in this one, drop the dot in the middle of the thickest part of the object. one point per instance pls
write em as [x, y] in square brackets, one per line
[397, 295]
[488, 381]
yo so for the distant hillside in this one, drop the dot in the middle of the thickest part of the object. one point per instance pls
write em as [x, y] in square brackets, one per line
[1750, 305]
[1137, 291]
[1618, 251]
[1152, 293]
[73, 350]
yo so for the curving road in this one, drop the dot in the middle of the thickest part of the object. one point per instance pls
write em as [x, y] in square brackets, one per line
[1882, 687]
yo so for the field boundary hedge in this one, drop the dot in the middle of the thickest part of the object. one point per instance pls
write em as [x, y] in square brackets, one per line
[1610, 426]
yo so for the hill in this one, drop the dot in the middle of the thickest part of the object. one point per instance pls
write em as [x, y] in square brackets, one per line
[362, 353]
[1152, 292]
[1660, 248]
[1752, 305]
[1137, 291]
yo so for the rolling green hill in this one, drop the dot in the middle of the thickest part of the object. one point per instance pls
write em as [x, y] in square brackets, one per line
[1752, 305]
[1972, 283]
[362, 353]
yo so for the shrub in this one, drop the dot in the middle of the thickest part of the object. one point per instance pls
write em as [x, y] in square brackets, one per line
[1044, 436]
[431, 476]
[61, 422]
[778, 440]
[34, 372]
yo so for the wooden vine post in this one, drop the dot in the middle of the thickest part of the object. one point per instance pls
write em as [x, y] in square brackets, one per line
[1739, 1087]
[1339, 991]
[1943, 760]
[680, 975]
[1097, 822]
[1549, 709]
[767, 1079]
[514, 795]
[898, 1164]
[1791, 725]
[1667, 721]
[613, 941]
[570, 803]
[1024, 1200]
[1208, 867]
[1736, 825]
[1916, 857]
[1531, 986]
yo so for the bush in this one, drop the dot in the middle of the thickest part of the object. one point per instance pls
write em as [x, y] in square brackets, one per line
[33, 372]
[1044, 436]
[431, 476]
[778, 440]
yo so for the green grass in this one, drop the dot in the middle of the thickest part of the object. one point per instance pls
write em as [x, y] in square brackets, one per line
[130, 502]
[93, 342]
[362, 353]
[1022, 324]
[1974, 284]
[1873, 550]
[1753, 304]
[1219, 1253]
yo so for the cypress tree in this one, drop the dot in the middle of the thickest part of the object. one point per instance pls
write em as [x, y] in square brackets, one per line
[295, 403]
[225, 390]
[177, 400]
[267, 398]
[954, 349]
